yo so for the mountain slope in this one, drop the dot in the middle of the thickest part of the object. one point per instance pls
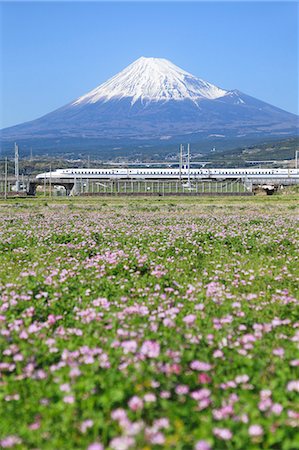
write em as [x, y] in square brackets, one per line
[154, 99]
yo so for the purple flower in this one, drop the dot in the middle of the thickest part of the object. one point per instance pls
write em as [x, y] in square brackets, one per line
[129, 346]
[119, 414]
[151, 349]
[278, 352]
[201, 394]
[69, 399]
[223, 433]
[255, 430]
[200, 366]
[202, 445]
[149, 398]
[95, 446]
[293, 386]
[190, 319]
[276, 409]
[181, 389]
[122, 443]
[10, 441]
[135, 403]
[85, 425]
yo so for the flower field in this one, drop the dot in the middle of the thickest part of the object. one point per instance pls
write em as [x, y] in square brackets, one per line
[146, 324]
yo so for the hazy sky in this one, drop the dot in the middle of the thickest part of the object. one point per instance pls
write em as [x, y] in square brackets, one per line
[54, 52]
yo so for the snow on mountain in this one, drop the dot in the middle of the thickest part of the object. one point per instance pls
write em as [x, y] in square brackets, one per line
[153, 79]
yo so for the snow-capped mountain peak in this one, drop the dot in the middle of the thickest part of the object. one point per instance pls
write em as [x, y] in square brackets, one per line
[150, 101]
[152, 79]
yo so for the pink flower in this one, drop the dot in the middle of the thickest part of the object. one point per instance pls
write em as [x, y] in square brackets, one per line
[85, 425]
[223, 433]
[190, 319]
[241, 379]
[218, 354]
[255, 431]
[248, 338]
[276, 409]
[278, 352]
[204, 403]
[129, 346]
[265, 393]
[122, 443]
[202, 445]
[23, 334]
[149, 398]
[155, 437]
[200, 366]
[75, 372]
[165, 394]
[168, 323]
[265, 404]
[201, 394]
[163, 422]
[135, 403]
[204, 378]
[34, 425]
[69, 399]
[151, 349]
[10, 441]
[293, 386]
[65, 387]
[182, 389]
[119, 414]
[95, 446]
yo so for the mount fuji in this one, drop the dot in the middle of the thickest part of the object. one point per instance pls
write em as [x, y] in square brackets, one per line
[153, 100]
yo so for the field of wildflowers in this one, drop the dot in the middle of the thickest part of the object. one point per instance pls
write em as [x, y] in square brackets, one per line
[149, 324]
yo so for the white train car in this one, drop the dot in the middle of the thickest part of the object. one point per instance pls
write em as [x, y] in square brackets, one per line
[171, 173]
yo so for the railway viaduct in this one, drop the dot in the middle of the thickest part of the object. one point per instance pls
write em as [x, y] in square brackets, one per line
[164, 187]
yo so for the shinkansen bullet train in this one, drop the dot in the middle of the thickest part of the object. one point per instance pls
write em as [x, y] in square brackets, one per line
[171, 173]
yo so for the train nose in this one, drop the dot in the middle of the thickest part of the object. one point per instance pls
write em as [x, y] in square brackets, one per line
[41, 175]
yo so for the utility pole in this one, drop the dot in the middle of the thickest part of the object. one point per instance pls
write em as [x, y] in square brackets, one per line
[296, 159]
[87, 181]
[50, 184]
[5, 179]
[181, 160]
[188, 156]
[17, 167]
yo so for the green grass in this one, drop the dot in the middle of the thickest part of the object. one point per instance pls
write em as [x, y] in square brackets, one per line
[185, 305]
